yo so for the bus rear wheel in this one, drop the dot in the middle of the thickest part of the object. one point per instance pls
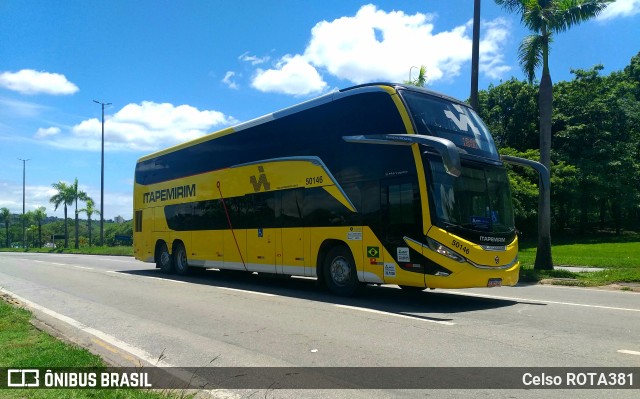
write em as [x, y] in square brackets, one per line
[180, 259]
[339, 271]
[163, 259]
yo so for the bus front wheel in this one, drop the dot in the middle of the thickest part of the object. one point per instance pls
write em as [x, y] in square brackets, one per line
[180, 259]
[163, 259]
[339, 271]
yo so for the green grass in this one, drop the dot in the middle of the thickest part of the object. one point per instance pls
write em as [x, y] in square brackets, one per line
[119, 250]
[620, 259]
[23, 346]
[609, 255]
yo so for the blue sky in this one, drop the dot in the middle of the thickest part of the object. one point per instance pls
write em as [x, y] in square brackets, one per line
[176, 70]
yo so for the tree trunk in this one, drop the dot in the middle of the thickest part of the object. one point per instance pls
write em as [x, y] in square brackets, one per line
[77, 245]
[603, 212]
[545, 102]
[66, 228]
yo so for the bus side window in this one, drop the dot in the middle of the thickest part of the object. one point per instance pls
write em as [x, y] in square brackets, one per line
[260, 211]
[138, 222]
[401, 203]
[289, 213]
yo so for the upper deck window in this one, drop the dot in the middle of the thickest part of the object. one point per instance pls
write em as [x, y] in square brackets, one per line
[438, 117]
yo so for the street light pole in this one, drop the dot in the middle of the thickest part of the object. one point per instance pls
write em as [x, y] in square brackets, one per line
[475, 55]
[24, 162]
[102, 176]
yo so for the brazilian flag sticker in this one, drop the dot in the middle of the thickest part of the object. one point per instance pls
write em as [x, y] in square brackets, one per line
[373, 252]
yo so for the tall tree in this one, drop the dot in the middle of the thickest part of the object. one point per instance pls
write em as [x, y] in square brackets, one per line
[39, 215]
[64, 196]
[510, 110]
[89, 210]
[596, 130]
[5, 215]
[26, 219]
[32, 229]
[77, 195]
[544, 18]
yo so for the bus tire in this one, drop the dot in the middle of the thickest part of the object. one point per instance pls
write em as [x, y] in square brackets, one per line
[180, 263]
[163, 259]
[339, 271]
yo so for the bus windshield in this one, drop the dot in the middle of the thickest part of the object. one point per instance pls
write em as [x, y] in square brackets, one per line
[434, 116]
[477, 203]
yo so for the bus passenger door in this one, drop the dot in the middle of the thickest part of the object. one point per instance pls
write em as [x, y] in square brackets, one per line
[290, 254]
[401, 217]
[261, 249]
[259, 217]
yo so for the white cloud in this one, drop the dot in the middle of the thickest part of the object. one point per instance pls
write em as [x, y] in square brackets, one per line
[228, 80]
[142, 127]
[115, 203]
[376, 45]
[293, 75]
[20, 108]
[28, 81]
[495, 34]
[620, 8]
[372, 45]
[253, 59]
[47, 132]
[36, 196]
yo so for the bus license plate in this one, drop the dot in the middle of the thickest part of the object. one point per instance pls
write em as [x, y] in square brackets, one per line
[494, 282]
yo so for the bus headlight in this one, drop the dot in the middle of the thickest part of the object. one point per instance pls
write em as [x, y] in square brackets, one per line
[435, 246]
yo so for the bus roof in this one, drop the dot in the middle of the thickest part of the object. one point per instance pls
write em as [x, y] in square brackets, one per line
[390, 88]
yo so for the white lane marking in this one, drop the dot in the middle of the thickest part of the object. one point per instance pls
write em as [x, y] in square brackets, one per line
[628, 352]
[547, 302]
[83, 267]
[145, 277]
[186, 282]
[566, 287]
[248, 292]
[117, 260]
[46, 262]
[140, 353]
[445, 323]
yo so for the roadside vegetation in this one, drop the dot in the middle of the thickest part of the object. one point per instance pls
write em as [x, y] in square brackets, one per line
[619, 256]
[121, 250]
[24, 346]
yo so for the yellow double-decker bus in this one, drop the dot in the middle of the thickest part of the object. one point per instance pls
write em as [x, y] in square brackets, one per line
[378, 183]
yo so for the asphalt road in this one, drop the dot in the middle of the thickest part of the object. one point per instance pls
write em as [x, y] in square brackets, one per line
[132, 314]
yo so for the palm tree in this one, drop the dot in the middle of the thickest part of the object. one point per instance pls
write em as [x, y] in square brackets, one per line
[39, 215]
[65, 196]
[544, 18]
[77, 195]
[32, 229]
[89, 210]
[421, 80]
[5, 215]
[26, 219]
